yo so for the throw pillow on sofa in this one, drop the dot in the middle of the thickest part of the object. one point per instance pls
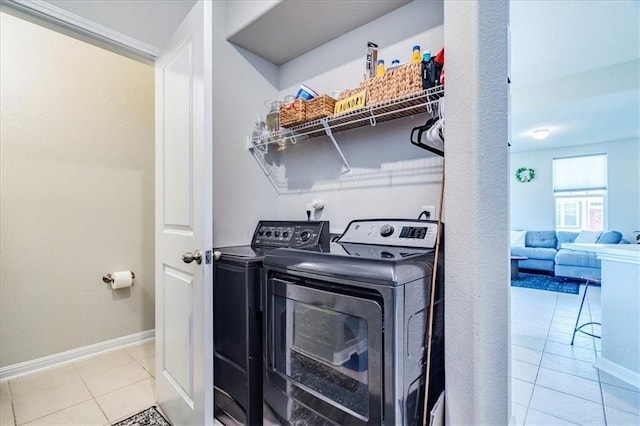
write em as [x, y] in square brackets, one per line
[587, 237]
[565, 237]
[517, 238]
[611, 237]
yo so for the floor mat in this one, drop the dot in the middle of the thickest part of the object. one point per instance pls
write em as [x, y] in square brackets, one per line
[546, 282]
[149, 417]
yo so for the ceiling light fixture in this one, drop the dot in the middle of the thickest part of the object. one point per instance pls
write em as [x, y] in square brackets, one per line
[540, 134]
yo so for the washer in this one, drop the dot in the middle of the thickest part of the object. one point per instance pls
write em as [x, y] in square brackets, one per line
[345, 329]
[237, 318]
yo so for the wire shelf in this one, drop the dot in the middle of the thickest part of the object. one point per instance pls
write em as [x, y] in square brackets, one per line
[406, 106]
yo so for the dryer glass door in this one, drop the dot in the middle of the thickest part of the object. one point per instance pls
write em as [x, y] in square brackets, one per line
[327, 346]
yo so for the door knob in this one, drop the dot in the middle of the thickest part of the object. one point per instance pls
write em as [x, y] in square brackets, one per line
[190, 257]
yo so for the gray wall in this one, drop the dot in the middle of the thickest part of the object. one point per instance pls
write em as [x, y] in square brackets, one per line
[240, 13]
[390, 177]
[77, 191]
[532, 204]
[242, 82]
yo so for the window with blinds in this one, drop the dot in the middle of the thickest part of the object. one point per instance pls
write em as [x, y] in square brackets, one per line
[579, 189]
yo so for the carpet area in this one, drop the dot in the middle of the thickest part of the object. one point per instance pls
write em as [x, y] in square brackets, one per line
[149, 417]
[546, 282]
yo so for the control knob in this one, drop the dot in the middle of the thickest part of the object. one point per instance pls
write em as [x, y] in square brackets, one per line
[268, 233]
[276, 234]
[285, 234]
[304, 235]
[386, 230]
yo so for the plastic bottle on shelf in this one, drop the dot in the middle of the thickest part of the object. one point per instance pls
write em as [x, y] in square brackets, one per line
[416, 57]
[380, 68]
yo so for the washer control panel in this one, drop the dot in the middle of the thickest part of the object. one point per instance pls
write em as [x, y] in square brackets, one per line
[392, 232]
[276, 233]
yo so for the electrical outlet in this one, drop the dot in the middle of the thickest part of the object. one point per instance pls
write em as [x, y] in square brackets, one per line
[431, 212]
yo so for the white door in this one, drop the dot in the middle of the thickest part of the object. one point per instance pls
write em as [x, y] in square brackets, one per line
[184, 320]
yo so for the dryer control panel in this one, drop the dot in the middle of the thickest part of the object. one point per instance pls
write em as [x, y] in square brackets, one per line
[392, 232]
[295, 234]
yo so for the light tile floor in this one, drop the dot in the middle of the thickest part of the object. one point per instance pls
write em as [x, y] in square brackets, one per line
[99, 390]
[554, 383]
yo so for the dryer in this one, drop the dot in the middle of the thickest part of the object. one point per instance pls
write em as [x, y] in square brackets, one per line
[345, 329]
[238, 291]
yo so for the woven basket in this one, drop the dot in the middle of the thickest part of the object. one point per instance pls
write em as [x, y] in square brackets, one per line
[319, 107]
[394, 84]
[350, 92]
[293, 113]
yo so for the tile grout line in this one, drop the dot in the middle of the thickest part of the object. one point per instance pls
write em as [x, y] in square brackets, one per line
[582, 357]
[592, 345]
[546, 339]
[604, 409]
[92, 395]
[595, 350]
[15, 420]
[566, 393]
[570, 374]
[535, 380]
[560, 416]
[556, 390]
[13, 410]
[95, 398]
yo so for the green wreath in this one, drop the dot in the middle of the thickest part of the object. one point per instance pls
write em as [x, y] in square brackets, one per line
[524, 174]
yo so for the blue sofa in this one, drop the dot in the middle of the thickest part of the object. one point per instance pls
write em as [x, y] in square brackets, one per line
[544, 253]
[540, 248]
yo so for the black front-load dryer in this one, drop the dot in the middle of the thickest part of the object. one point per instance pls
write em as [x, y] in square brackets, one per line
[237, 327]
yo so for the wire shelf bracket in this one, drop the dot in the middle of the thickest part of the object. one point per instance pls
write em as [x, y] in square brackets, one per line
[405, 106]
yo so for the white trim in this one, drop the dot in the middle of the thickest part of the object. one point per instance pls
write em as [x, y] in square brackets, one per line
[621, 253]
[621, 256]
[73, 355]
[618, 371]
[77, 23]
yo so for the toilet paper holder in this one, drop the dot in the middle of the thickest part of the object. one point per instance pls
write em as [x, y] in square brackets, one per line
[108, 278]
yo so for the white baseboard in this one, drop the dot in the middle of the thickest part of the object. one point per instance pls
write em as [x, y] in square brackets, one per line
[618, 371]
[73, 355]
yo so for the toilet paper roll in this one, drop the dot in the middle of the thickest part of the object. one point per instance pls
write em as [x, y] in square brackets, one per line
[122, 279]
